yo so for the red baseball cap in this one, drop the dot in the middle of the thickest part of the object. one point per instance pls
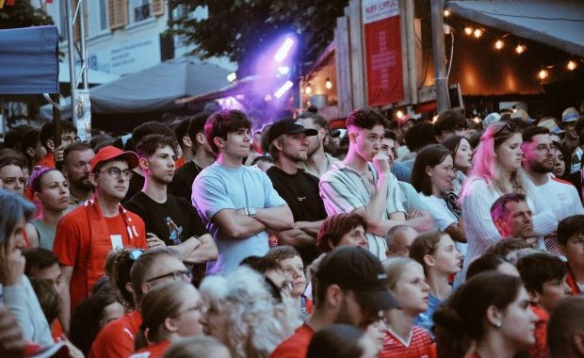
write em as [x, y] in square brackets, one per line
[108, 153]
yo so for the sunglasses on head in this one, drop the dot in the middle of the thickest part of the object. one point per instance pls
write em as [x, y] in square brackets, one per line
[509, 127]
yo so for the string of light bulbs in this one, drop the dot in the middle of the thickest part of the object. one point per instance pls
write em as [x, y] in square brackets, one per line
[500, 43]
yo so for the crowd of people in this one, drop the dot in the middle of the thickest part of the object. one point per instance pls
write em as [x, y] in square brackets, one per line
[207, 238]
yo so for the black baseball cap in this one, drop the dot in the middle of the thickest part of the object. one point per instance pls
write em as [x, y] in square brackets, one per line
[356, 269]
[288, 126]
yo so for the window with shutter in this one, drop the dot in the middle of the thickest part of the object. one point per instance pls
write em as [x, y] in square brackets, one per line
[157, 7]
[118, 13]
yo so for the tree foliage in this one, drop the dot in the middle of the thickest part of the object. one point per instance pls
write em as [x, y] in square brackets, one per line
[240, 28]
[23, 14]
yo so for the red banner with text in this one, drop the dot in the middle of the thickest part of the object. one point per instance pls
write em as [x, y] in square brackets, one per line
[383, 52]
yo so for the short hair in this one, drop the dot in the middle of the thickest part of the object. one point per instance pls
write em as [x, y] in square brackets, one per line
[487, 262]
[151, 127]
[49, 299]
[336, 340]
[219, 124]
[389, 134]
[281, 253]
[429, 156]
[499, 207]
[420, 135]
[38, 259]
[152, 142]
[261, 264]
[389, 237]
[48, 131]
[200, 347]
[570, 226]
[181, 129]
[335, 227]
[449, 120]
[366, 118]
[75, 147]
[528, 133]
[536, 269]
[507, 246]
[566, 319]
[425, 244]
[318, 119]
[197, 125]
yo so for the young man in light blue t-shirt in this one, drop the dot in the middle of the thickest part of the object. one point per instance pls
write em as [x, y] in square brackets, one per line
[237, 203]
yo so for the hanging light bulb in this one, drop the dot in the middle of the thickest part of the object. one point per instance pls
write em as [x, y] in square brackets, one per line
[572, 65]
[520, 49]
[399, 114]
[328, 84]
[447, 13]
[478, 33]
[499, 44]
[468, 30]
[543, 74]
[308, 89]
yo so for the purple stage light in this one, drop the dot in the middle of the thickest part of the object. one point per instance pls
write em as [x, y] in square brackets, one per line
[285, 87]
[284, 50]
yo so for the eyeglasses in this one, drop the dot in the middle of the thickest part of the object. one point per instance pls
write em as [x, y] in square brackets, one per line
[181, 275]
[544, 148]
[116, 173]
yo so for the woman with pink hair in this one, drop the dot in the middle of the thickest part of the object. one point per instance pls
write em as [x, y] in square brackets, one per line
[497, 171]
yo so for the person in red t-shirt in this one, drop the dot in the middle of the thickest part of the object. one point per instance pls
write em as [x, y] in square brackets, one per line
[153, 268]
[487, 316]
[544, 276]
[168, 312]
[355, 297]
[408, 285]
[86, 235]
[571, 242]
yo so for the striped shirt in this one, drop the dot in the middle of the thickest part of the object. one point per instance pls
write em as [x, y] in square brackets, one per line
[344, 190]
[419, 345]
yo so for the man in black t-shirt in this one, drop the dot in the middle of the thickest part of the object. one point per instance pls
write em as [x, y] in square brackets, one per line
[289, 146]
[182, 183]
[168, 218]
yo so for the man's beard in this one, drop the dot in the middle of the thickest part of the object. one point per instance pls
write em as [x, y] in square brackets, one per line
[313, 150]
[83, 184]
[541, 168]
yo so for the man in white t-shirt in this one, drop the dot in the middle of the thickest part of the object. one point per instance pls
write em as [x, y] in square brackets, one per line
[538, 162]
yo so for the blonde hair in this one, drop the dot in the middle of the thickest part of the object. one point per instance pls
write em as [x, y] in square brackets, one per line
[395, 268]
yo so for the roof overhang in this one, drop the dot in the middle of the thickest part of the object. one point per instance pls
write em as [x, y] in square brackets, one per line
[556, 23]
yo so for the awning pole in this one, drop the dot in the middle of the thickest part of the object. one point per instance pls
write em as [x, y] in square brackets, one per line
[440, 78]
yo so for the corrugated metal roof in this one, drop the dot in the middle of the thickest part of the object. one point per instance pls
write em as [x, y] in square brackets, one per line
[557, 23]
